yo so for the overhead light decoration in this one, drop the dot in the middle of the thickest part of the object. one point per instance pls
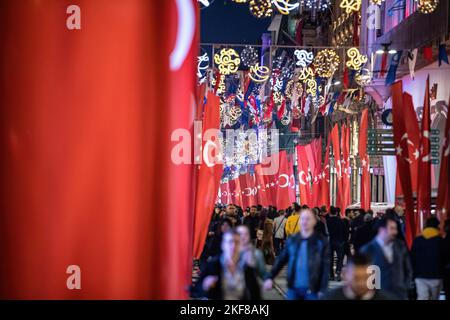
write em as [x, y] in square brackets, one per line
[305, 74]
[363, 78]
[293, 88]
[276, 84]
[315, 4]
[202, 65]
[427, 6]
[204, 3]
[227, 60]
[260, 8]
[249, 56]
[284, 7]
[278, 97]
[221, 87]
[259, 73]
[234, 114]
[356, 59]
[377, 2]
[240, 1]
[287, 72]
[304, 58]
[326, 63]
[311, 87]
[351, 6]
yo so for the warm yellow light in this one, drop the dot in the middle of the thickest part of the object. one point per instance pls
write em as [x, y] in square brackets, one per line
[427, 6]
[305, 73]
[326, 63]
[260, 8]
[356, 59]
[284, 7]
[227, 61]
[311, 87]
[259, 73]
[351, 5]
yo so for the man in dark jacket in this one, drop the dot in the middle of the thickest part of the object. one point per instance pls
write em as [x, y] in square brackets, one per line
[357, 282]
[227, 277]
[364, 233]
[392, 257]
[251, 221]
[339, 232]
[427, 258]
[307, 256]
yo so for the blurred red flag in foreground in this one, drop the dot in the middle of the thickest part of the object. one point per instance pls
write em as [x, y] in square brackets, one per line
[86, 173]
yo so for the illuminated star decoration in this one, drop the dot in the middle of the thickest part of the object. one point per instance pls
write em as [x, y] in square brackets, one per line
[356, 59]
[427, 6]
[326, 63]
[227, 60]
[351, 5]
[305, 74]
[304, 58]
[284, 7]
[249, 56]
[259, 73]
[260, 8]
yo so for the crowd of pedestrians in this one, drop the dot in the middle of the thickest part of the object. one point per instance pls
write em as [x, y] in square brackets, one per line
[366, 254]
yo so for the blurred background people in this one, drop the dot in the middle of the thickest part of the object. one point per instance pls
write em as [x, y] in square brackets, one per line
[227, 277]
[392, 257]
[279, 224]
[364, 233]
[357, 282]
[251, 256]
[307, 256]
[427, 259]
[339, 233]
[292, 223]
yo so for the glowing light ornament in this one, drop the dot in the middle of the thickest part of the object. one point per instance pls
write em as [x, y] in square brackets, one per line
[278, 97]
[284, 7]
[249, 56]
[221, 87]
[356, 59]
[351, 5]
[311, 87]
[315, 4]
[293, 87]
[260, 8]
[305, 74]
[304, 58]
[240, 1]
[259, 73]
[287, 72]
[326, 63]
[377, 2]
[363, 78]
[202, 64]
[427, 6]
[234, 114]
[227, 60]
[276, 84]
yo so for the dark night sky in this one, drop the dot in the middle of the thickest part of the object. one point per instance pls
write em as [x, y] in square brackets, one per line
[227, 22]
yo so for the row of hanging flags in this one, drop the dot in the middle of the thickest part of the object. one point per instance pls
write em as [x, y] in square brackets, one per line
[385, 65]
[413, 153]
[312, 175]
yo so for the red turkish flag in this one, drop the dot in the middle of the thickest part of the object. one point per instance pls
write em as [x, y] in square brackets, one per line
[235, 191]
[443, 199]
[345, 145]
[338, 166]
[225, 193]
[208, 175]
[285, 190]
[303, 176]
[365, 161]
[324, 198]
[402, 153]
[263, 194]
[87, 176]
[424, 183]
[248, 190]
[315, 148]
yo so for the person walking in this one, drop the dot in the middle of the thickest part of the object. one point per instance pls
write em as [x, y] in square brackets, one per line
[427, 258]
[292, 223]
[364, 233]
[356, 278]
[339, 233]
[249, 254]
[307, 256]
[279, 224]
[227, 276]
[392, 258]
